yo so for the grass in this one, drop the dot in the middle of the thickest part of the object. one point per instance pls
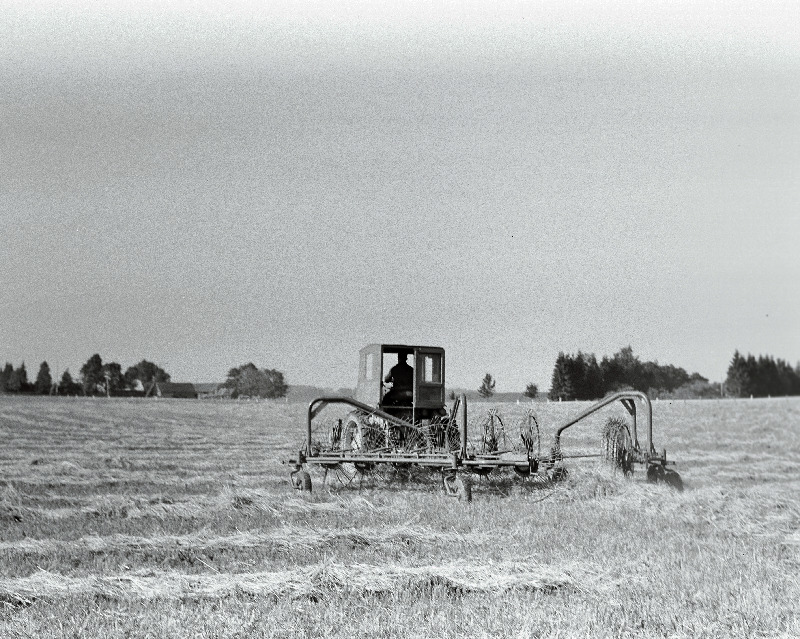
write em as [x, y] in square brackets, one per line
[130, 518]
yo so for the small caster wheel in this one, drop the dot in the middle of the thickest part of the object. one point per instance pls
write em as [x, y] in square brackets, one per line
[456, 485]
[301, 481]
[673, 480]
[655, 473]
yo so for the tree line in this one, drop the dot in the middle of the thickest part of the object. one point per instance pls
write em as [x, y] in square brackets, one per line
[99, 378]
[582, 377]
[762, 376]
[96, 378]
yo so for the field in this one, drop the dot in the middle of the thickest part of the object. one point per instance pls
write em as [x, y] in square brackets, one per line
[170, 518]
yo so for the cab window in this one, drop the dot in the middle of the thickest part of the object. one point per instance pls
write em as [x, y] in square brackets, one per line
[369, 366]
[431, 368]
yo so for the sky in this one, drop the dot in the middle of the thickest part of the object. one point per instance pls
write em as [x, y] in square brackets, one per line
[285, 182]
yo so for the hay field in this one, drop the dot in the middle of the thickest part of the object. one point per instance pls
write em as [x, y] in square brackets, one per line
[130, 518]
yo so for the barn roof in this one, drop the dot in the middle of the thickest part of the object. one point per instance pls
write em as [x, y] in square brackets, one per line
[182, 390]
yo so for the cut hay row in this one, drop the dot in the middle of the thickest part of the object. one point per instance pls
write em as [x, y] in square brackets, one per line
[737, 512]
[286, 538]
[317, 581]
[72, 474]
[88, 479]
[126, 507]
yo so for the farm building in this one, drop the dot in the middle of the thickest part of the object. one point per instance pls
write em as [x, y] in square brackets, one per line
[211, 390]
[176, 390]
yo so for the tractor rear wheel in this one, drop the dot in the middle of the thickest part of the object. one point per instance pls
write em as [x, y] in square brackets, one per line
[351, 434]
[363, 434]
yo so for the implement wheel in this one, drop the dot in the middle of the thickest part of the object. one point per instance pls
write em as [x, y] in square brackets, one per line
[301, 481]
[673, 480]
[657, 473]
[456, 485]
[617, 445]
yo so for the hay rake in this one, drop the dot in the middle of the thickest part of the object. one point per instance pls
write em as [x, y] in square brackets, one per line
[369, 440]
[393, 436]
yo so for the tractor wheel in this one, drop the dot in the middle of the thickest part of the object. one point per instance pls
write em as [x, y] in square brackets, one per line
[351, 434]
[456, 485]
[363, 434]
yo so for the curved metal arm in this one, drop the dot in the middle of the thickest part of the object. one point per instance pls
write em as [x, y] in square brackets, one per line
[317, 405]
[459, 413]
[624, 397]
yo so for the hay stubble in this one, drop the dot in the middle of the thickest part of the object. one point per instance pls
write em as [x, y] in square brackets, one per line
[131, 518]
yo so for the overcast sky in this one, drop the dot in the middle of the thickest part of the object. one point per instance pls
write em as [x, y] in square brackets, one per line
[283, 183]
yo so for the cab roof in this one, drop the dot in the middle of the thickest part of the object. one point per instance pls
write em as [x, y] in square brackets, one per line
[399, 347]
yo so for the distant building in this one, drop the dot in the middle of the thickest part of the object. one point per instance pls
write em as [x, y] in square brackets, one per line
[211, 391]
[175, 390]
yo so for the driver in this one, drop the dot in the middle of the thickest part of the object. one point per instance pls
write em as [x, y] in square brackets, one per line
[401, 376]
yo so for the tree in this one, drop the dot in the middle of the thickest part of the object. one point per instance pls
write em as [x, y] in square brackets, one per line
[592, 383]
[737, 383]
[486, 389]
[4, 377]
[576, 372]
[23, 377]
[531, 391]
[67, 386]
[112, 377]
[18, 380]
[44, 381]
[561, 386]
[761, 377]
[585, 376]
[624, 370]
[276, 384]
[249, 380]
[92, 378]
[145, 372]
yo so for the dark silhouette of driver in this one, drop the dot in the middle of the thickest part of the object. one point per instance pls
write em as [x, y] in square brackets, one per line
[401, 376]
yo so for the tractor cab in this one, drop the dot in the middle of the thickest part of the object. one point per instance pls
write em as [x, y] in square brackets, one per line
[405, 381]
